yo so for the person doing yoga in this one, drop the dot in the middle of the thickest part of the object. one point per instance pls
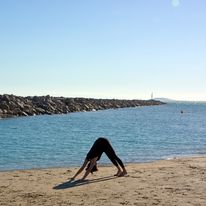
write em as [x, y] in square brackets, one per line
[101, 145]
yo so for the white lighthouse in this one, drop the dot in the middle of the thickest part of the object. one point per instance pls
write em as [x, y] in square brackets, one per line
[152, 95]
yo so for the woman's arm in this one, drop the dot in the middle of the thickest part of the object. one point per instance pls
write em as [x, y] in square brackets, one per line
[80, 169]
[92, 163]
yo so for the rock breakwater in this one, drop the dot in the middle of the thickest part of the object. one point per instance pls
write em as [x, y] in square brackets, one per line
[14, 106]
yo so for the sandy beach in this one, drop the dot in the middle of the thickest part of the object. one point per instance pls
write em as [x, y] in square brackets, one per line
[168, 182]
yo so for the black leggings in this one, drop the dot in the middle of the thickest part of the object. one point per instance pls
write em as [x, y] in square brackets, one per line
[116, 160]
[113, 157]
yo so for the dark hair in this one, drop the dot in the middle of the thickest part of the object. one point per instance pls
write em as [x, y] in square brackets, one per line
[94, 168]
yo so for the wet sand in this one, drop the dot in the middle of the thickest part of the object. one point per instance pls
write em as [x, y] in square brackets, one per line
[178, 182]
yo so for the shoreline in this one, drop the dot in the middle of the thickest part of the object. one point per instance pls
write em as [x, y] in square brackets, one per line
[180, 181]
[109, 164]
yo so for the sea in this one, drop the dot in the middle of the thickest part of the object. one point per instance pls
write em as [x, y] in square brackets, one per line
[140, 134]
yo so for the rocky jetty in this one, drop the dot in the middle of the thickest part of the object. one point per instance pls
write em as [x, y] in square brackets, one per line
[13, 106]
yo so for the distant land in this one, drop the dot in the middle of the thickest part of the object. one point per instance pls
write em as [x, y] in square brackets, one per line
[15, 106]
[167, 100]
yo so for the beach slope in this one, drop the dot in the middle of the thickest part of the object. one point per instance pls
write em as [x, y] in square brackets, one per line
[169, 182]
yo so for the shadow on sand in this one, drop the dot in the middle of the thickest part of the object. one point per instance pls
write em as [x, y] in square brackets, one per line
[76, 183]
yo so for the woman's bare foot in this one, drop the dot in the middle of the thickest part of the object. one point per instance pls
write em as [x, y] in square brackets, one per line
[122, 174]
[118, 173]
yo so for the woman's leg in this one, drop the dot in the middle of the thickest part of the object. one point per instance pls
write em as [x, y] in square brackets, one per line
[122, 166]
[114, 159]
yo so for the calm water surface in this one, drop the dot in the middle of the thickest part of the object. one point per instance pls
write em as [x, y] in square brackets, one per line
[138, 134]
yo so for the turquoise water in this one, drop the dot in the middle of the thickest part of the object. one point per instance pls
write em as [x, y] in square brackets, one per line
[138, 134]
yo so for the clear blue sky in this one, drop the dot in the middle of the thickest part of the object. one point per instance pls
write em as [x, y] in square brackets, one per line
[103, 48]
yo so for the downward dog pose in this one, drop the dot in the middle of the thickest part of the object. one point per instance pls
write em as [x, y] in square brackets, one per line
[101, 145]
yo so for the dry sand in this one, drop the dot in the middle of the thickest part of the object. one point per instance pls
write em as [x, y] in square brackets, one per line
[169, 182]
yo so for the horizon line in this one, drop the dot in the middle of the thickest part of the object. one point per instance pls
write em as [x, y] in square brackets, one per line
[120, 98]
